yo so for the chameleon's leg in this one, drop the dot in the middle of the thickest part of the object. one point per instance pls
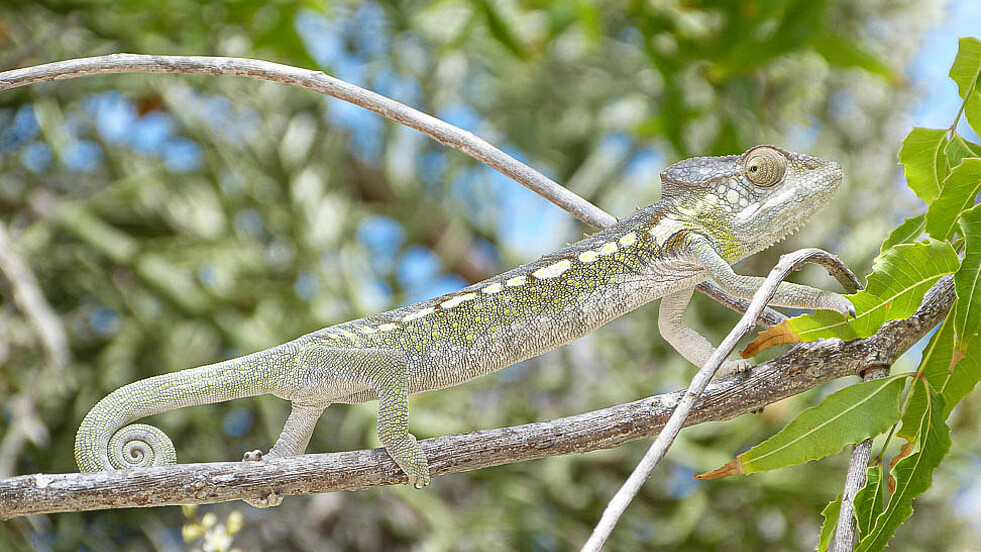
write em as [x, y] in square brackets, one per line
[393, 423]
[297, 431]
[691, 344]
[788, 294]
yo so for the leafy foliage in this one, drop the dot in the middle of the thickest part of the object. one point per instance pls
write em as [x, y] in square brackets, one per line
[944, 169]
[843, 418]
[895, 288]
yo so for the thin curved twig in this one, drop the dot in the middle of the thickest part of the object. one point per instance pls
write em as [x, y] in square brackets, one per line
[318, 81]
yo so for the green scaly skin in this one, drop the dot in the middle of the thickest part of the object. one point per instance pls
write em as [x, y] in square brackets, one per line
[713, 212]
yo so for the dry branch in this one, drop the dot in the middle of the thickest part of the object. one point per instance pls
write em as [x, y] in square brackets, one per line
[804, 367]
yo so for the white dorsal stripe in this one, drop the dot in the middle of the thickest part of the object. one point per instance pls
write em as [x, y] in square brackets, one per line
[552, 270]
[454, 301]
[588, 256]
[516, 281]
[628, 239]
[387, 327]
[608, 248]
[418, 314]
[493, 288]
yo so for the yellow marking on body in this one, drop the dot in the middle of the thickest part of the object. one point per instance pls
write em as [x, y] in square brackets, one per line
[368, 330]
[493, 288]
[418, 314]
[588, 256]
[454, 301]
[552, 270]
[349, 335]
[608, 248]
[516, 281]
[628, 239]
[387, 327]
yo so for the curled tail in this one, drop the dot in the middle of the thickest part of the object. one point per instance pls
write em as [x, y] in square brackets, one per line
[105, 442]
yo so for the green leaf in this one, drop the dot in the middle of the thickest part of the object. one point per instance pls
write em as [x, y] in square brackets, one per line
[914, 474]
[843, 51]
[908, 232]
[869, 500]
[967, 310]
[951, 373]
[960, 188]
[958, 149]
[972, 110]
[830, 514]
[967, 65]
[847, 416]
[924, 163]
[899, 278]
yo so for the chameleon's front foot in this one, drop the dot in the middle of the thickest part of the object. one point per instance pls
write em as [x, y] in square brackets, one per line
[252, 456]
[730, 367]
[409, 456]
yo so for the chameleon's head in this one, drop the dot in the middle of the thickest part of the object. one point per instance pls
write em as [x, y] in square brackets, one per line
[751, 200]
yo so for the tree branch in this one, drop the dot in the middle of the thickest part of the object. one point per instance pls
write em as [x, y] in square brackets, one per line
[318, 81]
[804, 367]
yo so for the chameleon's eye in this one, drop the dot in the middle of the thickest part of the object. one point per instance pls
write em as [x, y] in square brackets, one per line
[765, 166]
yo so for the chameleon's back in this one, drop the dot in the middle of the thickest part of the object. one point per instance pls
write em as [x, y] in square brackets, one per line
[524, 312]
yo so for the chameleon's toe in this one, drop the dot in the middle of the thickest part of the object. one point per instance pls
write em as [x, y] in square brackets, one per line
[252, 456]
[829, 300]
[266, 500]
[730, 367]
[409, 456]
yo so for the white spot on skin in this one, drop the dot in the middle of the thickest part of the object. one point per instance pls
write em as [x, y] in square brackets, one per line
[387, 327]
[721, 190]
[743, 202]
[454, 301]
[608, 248]
[732, 196]
[588, 256]
[368, 330]
[553, 270]
[418, 314]
[711, 199]
[493, 288]
[349, 335]
[628, 239]
[516, 281]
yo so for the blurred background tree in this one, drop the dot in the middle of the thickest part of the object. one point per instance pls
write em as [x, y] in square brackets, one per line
[174, 221]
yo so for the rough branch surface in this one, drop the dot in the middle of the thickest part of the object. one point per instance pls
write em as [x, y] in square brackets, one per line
[804, 367]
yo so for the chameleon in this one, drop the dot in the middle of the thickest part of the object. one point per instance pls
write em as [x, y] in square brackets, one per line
[713, 211]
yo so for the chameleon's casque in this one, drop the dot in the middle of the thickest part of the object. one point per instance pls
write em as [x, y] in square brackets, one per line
[713, 212]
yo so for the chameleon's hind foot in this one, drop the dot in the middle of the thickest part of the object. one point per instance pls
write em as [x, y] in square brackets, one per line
[409, 456]
[266, 500]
